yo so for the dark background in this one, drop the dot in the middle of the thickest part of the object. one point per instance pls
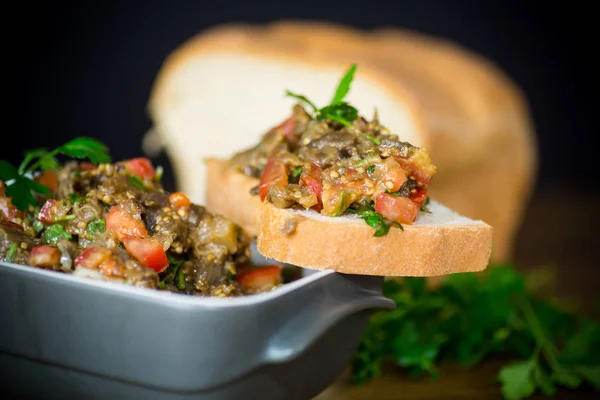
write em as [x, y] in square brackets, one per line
[86, 68]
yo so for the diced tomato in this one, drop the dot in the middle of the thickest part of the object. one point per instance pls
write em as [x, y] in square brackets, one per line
[179, 199]
[394, 178]
[422, 174]
[9, 214]
[274, 174]
[92, 257]
[48, 179]
[419, 195]
[312, 184]
[287, 127]
[124, 224]
[53, 210]
[86, 166]
[397, 208]
[44, 256]
[260, 278]
[140, 167]
[148, 251]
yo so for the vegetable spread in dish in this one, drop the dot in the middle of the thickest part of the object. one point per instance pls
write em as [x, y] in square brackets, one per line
[336, 162]
[115, 222]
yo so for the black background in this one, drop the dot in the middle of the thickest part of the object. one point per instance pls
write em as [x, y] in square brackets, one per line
[86, 68]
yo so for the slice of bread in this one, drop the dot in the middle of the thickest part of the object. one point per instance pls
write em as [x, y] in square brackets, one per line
[439, 243]
[219, 92]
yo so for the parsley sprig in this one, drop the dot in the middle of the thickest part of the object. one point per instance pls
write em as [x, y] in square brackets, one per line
[338, 110]
[375, 220]
[21, 188]
[471, 317]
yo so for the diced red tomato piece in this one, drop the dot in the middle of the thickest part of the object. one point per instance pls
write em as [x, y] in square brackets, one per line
[9, 214]
[86, 166]
[124, 224]
[140, 167]
[396, 208]
[419, 195]
[49, 179]
[274, 174]
[148, 251]
[287, 127]
[53, 210]
[260, 278]
[44, 256]
[179, 199]
[421, 175]
[394, 179]
[92, 257]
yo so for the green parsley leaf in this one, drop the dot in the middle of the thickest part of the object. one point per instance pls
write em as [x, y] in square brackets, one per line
[56, 232]
[76, 198]
[516, 380]
[7, 171]
[11, 252]
[48, 162]
[371, 169]
[136, 182]
[38, 226]
[97, 225]
[84, 147]
[337, 110]
[373, 139]
[302, 99]
[591, 373]
[344, 85]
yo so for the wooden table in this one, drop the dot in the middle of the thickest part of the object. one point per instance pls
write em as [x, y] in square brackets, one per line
[559, 230]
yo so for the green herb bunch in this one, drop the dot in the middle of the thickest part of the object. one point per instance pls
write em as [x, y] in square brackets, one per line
[19, 184]
[337, 110]
[471, 317]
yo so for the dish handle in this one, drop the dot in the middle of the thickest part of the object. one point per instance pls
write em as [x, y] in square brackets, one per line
[313, 322]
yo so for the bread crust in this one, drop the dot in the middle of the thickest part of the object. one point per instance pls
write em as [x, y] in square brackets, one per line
[228, 194]
[331, 243]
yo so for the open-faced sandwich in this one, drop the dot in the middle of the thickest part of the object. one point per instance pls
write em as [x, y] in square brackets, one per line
[328, 189]
[115, 222]
[221, 88]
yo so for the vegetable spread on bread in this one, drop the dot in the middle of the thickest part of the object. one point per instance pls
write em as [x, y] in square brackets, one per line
[335, 162]
[115, 222]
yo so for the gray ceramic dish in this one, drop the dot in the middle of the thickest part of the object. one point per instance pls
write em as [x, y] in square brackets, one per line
[66, 337]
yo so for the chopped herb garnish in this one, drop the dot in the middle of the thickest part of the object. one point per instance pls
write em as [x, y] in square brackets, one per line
[373, 139]
[136, 182]
[361, 163]
[55, 232]
[174, 274]
[97, 225]
[21, 188]
[340, 208]
[68, 217]
[76, 198]
[371, 169]
[424, 208]
[375, 220]
[11, 252]
[38, 226]
[337, 110]
[295, 175]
